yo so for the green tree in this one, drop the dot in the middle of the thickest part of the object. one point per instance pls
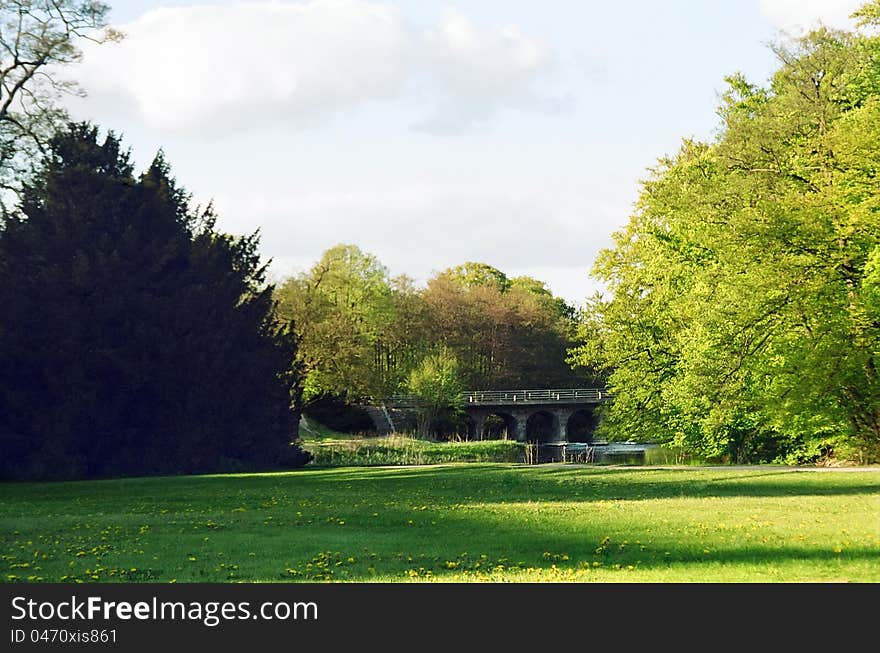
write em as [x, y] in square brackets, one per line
[868, 14]
[477, 275]
[505, 333]
[341, 307]
[437, 387]
[406, 338]
[363, 332]
[555, 306]
[134, 337]
[739, 322]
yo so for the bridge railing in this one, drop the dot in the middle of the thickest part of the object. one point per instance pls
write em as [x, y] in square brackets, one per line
[507, 397]
[562, 395]
[404, 401]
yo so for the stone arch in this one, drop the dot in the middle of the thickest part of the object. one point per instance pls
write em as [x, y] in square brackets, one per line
[542, 426]
[498, 425]
[581, 425]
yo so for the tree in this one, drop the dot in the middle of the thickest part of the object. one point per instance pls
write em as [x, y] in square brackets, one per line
[868, 14]
[135, 338]
[555, 306]
[437, 387]
[505, 333]
[740, 321]
[36, 37]
[341, 306]
[477, 275]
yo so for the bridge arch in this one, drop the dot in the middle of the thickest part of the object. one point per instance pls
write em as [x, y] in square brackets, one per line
[542, 426]
[581, 425]
[541, 416]
[498, 424]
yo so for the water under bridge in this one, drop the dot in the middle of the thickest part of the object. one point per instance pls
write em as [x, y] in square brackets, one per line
[544, 416]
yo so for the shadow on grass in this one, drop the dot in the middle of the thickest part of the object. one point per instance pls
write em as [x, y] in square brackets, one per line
[483, 482]
[516, 484]
[478, 543]
[444, 519]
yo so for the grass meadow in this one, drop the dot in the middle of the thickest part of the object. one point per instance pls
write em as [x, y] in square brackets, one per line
[456, 522]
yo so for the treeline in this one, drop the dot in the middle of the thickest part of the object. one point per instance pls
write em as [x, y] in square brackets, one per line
[743, 313]
[364, 332]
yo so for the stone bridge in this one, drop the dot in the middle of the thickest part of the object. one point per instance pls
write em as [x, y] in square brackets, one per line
[542, 416]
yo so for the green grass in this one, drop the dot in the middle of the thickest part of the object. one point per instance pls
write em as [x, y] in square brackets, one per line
[404, 450]
[496, 522]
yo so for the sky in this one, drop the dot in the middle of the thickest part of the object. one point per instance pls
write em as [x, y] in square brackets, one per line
[510, 132]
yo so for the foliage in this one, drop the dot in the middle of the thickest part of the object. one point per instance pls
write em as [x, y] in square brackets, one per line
[402, 450]
[134, 337]
[37, 38]
[742, 321]
[437, 387]
[470, 522]
[477, 275]
[868, 14]
[341, 306]
[363, 332]
[505, 334]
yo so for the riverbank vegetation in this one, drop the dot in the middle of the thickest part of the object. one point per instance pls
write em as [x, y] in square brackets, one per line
[408, 450]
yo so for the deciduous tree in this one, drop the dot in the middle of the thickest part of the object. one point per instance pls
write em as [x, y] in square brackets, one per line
[436, 385]
[740, 319]
[37, 38]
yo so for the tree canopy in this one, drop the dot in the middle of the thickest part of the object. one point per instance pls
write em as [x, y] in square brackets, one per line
[742, 318]
[342, 306]
[505, 333]
[364, 332]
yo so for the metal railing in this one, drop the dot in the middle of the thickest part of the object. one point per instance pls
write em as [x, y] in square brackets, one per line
[563, 395]
[512, 397]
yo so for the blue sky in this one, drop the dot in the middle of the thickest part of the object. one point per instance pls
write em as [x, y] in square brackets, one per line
[428, 133]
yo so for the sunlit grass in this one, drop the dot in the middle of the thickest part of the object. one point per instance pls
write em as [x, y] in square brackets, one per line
[475, 522]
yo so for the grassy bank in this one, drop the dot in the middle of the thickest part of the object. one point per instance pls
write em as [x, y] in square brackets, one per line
[449, 523]
[404, 450]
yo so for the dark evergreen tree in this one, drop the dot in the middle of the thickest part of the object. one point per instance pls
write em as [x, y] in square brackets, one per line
[134, 337]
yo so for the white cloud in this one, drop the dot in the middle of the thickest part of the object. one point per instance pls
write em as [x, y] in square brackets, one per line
[798, 15]
[209, 68]
[475, 70]
[212, 66]
[483, 63]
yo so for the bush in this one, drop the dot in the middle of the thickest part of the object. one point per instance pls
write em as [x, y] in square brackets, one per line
[403, 450]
